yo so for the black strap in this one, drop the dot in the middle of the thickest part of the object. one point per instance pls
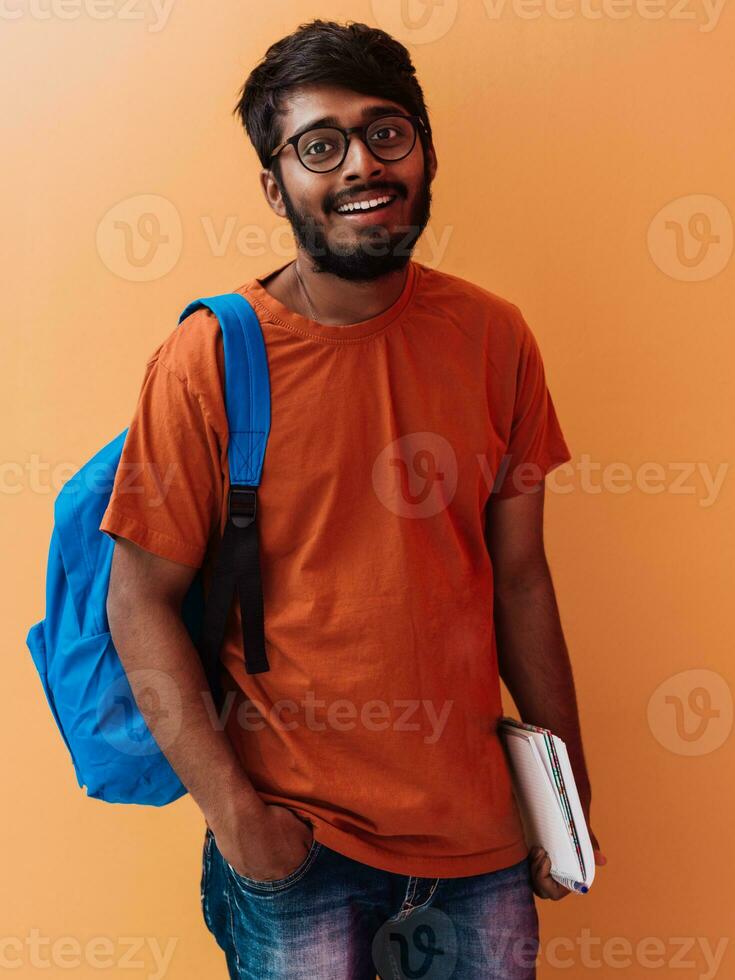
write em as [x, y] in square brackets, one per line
[237, 568]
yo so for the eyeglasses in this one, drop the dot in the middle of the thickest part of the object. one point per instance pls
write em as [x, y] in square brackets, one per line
[388, 138]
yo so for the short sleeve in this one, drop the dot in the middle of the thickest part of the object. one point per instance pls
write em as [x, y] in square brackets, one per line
[536, 444]
[168, 489]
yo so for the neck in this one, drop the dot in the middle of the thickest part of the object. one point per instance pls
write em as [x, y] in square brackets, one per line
[336, 301]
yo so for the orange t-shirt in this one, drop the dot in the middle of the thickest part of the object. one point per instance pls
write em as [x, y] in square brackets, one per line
[377, 721]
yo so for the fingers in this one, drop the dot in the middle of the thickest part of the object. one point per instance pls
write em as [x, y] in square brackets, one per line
[543, 884]
[540, 863]
[599, 856]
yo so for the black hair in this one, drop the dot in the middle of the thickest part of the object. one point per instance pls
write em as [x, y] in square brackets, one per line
[352, 55]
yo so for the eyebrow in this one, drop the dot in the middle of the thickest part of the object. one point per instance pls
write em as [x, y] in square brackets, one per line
[370, 112]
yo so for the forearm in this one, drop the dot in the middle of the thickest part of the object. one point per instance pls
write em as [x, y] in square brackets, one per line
[534, 664]
[180, 715]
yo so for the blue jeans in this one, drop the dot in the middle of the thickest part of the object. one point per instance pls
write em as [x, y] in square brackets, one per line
[334, 918]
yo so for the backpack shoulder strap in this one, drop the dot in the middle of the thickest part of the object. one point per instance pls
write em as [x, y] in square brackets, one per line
[237, 567]
[247, 387]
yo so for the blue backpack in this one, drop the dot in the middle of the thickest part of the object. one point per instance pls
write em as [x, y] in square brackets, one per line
[113, 751]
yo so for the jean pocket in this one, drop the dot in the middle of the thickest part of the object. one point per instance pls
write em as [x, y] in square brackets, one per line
[277, 884]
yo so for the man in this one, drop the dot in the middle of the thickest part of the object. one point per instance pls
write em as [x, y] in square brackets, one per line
[360, 781]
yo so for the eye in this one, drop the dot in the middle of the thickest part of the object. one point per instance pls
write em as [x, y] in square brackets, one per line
[384, 129]
[317, 147]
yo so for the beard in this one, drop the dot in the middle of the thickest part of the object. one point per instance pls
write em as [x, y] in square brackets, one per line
[359, 254]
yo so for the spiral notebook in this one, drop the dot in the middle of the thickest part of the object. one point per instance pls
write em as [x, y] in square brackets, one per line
[546, 792]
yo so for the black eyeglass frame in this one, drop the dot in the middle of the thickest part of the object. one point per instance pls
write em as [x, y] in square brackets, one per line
[346, 133]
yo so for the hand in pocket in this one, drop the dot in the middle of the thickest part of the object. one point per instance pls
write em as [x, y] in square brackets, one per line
[265, 847]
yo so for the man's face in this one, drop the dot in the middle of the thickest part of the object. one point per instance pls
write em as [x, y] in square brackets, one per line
[367, 245]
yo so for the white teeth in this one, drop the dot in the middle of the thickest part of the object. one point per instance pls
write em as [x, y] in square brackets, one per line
[364, 205]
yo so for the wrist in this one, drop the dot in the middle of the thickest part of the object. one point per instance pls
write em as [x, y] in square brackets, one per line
[238, 804]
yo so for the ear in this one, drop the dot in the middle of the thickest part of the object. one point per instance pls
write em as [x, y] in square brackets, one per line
[433, 163]
[272, 192]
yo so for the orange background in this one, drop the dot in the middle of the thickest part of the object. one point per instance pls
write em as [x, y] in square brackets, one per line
[559, 140]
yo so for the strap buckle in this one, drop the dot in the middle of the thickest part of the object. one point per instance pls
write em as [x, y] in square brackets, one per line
[241, 505]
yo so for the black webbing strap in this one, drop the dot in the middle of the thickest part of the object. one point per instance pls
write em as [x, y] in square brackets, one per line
[237, 569]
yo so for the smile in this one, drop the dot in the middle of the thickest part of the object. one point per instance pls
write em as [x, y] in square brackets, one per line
[374, 204]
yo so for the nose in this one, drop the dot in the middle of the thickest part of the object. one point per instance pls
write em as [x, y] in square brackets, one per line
[359, 160]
